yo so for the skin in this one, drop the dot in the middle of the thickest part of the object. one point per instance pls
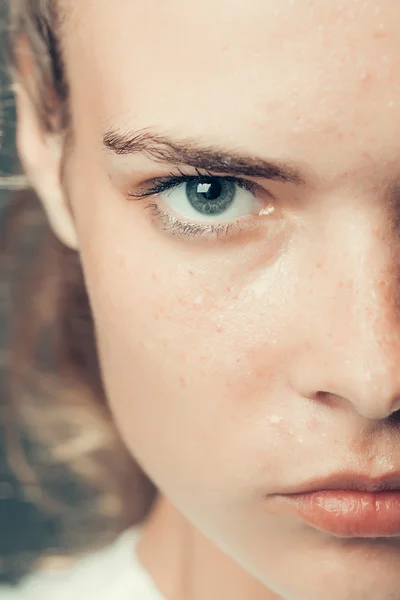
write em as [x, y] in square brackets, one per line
[242, 367]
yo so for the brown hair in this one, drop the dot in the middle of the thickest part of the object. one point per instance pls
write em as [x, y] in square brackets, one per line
[61, 440]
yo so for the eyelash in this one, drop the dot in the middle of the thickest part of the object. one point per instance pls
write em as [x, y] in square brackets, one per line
[187, 228]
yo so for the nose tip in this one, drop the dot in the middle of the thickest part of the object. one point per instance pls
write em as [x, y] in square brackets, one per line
[351, 356]
[354, 366]
[349, 363]
[373, 395]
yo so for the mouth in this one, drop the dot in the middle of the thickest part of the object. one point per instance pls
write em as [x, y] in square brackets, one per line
[348, 505]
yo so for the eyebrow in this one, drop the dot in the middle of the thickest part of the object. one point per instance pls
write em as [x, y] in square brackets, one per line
[191, 153]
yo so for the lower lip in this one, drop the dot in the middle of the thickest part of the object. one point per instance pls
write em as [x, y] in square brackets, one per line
[348, 514]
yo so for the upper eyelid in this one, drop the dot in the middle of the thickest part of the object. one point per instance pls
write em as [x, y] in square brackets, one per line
[200, 172]
[176, 179]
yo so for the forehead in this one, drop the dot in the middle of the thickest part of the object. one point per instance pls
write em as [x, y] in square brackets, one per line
[291, 74]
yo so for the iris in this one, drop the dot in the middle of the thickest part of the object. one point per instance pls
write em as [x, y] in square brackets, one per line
[210, 196]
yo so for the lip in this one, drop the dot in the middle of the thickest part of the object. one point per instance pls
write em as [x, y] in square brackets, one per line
[354, 481]
[349, 505]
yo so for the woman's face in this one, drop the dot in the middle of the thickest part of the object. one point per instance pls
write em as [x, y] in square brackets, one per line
[248, 326]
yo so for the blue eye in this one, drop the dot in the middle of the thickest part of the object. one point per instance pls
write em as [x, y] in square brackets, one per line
[205, 205]
[211, 199]
[210, 196]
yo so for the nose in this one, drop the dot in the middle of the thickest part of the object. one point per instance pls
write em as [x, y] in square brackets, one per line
[349, 351]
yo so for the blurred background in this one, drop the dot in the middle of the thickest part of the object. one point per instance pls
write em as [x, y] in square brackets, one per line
[77, 487]
[24, 531]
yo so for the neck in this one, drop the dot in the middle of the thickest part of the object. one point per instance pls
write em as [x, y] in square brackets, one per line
[185, 565]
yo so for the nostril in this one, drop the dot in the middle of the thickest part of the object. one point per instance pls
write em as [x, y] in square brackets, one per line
[323, 396]
[394, 418]
[327, 398]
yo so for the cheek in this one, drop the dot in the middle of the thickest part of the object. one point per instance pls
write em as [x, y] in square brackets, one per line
[191, 356]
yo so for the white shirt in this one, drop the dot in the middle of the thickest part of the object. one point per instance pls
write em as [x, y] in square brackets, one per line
[114, 573]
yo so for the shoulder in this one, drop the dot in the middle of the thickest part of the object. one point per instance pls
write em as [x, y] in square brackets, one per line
[97, 576]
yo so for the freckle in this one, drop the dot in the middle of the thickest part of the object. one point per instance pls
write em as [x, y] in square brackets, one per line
[313, 425]
[183, 382]
[380, 34]
[366, 81]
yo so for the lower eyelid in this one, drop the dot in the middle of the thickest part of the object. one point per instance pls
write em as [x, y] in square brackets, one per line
[187, 229]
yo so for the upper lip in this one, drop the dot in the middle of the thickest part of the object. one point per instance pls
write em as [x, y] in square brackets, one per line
[352, 481]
